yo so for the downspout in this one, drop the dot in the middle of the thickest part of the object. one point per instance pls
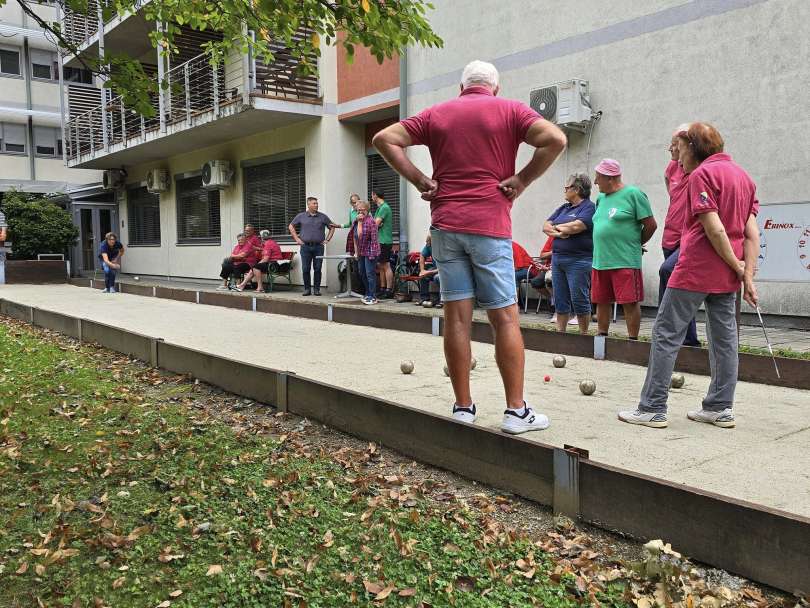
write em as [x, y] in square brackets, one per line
[62, 91]
[403, 183]
[29, 127]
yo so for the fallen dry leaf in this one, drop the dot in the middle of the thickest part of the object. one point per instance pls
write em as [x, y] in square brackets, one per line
[213, 570]
[384, 593]
[373, 588]
[176, 593]
[407, 592]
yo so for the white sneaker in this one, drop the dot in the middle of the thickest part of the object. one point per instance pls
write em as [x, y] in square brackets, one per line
[514, 423]
[656, 420]
[112, 290]
[224, 288]
[724, 419]
[464, 414]
[573, 321]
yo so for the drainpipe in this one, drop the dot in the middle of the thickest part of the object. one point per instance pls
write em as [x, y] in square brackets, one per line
[61, 88]
[403, 183]
[29, 127]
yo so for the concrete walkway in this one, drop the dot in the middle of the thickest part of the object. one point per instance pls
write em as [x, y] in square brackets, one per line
[797, 340]
[764, 460]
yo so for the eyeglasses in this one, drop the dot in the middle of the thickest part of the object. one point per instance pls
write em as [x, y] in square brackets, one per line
[568, 188]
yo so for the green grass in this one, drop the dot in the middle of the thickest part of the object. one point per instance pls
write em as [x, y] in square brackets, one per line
[115, 492]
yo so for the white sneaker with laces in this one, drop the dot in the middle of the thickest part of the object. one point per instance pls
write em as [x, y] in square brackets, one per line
[656, 420]
[515, 424]
[464, 414]
[724, 419]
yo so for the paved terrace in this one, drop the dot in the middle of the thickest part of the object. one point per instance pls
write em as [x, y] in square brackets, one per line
[764, 460]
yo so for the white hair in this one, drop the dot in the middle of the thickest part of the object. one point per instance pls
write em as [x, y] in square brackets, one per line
[682, 128]
[479, 72]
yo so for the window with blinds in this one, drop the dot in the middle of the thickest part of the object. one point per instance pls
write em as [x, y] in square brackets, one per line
[197, 212]
[275, 193]
[143, 212]
[381, 175]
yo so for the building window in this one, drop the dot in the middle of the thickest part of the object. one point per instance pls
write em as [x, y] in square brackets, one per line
[9, 62]
[48, 141]
[79, 75]
[275, 193]
[12, 138]
[381, 175]
[42, 64]
[143, 213]
[197, 212]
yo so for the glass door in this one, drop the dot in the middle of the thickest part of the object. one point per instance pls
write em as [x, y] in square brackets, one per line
[87, 238]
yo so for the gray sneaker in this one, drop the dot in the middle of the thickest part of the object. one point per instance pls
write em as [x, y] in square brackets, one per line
[656, 420]
[724, 419]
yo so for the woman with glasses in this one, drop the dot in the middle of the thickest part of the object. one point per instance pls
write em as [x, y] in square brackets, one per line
[571, 225]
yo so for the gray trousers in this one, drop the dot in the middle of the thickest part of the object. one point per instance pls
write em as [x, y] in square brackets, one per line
[675, 312]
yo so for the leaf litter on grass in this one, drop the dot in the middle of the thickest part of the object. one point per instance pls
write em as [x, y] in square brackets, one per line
[126, 486]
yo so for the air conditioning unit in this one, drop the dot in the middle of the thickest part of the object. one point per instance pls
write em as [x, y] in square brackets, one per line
[566, 104]
[216, 174]
[113, 178]
[157, 180]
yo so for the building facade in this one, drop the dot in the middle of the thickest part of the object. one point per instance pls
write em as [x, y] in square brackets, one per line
[649, 66]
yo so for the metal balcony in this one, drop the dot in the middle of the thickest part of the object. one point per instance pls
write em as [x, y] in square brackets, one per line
[197, 95]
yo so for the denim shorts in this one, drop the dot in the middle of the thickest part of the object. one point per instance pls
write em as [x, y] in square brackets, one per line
[474, 266]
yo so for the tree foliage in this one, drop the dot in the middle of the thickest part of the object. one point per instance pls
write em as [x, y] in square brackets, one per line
[385, 27]
[37, 225]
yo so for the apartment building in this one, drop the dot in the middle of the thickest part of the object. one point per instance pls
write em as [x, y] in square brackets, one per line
[648, 67]
[31, 144]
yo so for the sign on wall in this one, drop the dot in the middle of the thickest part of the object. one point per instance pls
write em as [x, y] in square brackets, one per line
[784, 232]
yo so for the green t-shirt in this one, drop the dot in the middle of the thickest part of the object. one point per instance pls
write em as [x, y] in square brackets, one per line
[352, 217]
[617, 228]
[385, 233]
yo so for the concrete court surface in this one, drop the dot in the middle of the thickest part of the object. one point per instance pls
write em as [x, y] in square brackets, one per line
[764, 460]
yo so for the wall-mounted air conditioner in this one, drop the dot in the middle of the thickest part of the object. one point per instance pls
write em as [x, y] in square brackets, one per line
[157, 181]
[566, 104]
[216, 174]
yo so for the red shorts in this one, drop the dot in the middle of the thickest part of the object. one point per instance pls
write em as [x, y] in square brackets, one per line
[620, 285]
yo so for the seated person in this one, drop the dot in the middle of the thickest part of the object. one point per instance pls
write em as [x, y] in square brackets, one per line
[271, 255]
[428, 273]
[239, 262]
[539, 280]
[524, 264]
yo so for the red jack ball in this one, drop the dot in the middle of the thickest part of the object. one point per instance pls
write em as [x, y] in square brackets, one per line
[547, 379]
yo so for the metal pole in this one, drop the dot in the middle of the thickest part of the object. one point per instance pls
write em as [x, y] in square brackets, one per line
[403, 183]
[216, 91]
[60, 20]
[123, 123]
[161, 74]
[188, 94]
[104, 136]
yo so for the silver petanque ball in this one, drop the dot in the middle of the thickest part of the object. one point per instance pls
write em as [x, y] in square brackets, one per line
[406, 367]
[587, 387]
[559, 361]
[137, 278]
[473, 363]
[677, 381]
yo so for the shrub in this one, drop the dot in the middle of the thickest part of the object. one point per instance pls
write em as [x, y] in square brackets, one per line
[36, 225]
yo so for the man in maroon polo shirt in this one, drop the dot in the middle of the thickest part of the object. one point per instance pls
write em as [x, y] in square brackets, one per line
[473, 142]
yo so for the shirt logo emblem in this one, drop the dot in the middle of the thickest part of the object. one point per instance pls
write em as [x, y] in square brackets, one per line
[612, 212]
[704, 199]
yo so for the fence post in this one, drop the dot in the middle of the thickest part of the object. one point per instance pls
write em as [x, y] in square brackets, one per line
[123, 124]
[188, 94]
[216, 91]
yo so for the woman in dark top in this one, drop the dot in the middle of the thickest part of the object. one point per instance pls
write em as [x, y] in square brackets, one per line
[110, 253]
[571, 225]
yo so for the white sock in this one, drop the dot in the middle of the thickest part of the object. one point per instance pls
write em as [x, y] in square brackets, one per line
[520, 411]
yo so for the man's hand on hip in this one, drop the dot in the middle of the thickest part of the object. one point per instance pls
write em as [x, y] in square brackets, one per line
[428, 187]
[512, 187]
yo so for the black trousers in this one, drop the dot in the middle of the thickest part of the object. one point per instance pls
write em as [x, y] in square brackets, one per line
[233, 269]
[309, 260]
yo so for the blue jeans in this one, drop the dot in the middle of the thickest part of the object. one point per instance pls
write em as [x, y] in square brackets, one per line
[670, 259]
[368, 272]
[424, 286]
[109, 276]
[571, 280]
[474, 266]
[309, 253]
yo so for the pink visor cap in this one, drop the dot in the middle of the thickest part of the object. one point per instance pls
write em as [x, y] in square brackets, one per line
[610, 167]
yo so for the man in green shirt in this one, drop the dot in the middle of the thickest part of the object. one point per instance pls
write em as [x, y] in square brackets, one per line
[623, 222]
[385, 227]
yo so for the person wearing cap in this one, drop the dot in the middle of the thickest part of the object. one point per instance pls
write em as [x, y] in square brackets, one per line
[473, 142]
[677, 182]
[622, 223]
[719, 250]
[271, 253]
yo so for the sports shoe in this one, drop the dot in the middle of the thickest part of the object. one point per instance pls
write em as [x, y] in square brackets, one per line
[224, 288]
[307, 292]
[514, 423]
[573, 321]
[656, 420]
[369, 301]
[464, 414]
[112, 290]
[317, 292]
[723, 419]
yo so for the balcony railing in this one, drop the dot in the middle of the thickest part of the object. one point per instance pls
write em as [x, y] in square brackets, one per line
[79, 28]
[197, 92]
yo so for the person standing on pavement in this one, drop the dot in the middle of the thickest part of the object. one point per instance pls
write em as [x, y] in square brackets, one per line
[385, 226]
[310, 236]
[571, 226]
[719, 250]
[677, 182]
[110, 254]
[622, 223]
[353, 200]
[366, 249]
[3, 228]
[473, 142]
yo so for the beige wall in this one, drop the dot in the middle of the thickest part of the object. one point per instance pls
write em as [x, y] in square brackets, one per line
[12, 92]
[14, 166]
[45, 95]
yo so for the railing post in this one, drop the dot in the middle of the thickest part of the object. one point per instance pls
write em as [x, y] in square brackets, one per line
[143, 127]
[161, 74]
[188, 93]
[216, 91]
[123, 124]
[92, 133]
[104, 134]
